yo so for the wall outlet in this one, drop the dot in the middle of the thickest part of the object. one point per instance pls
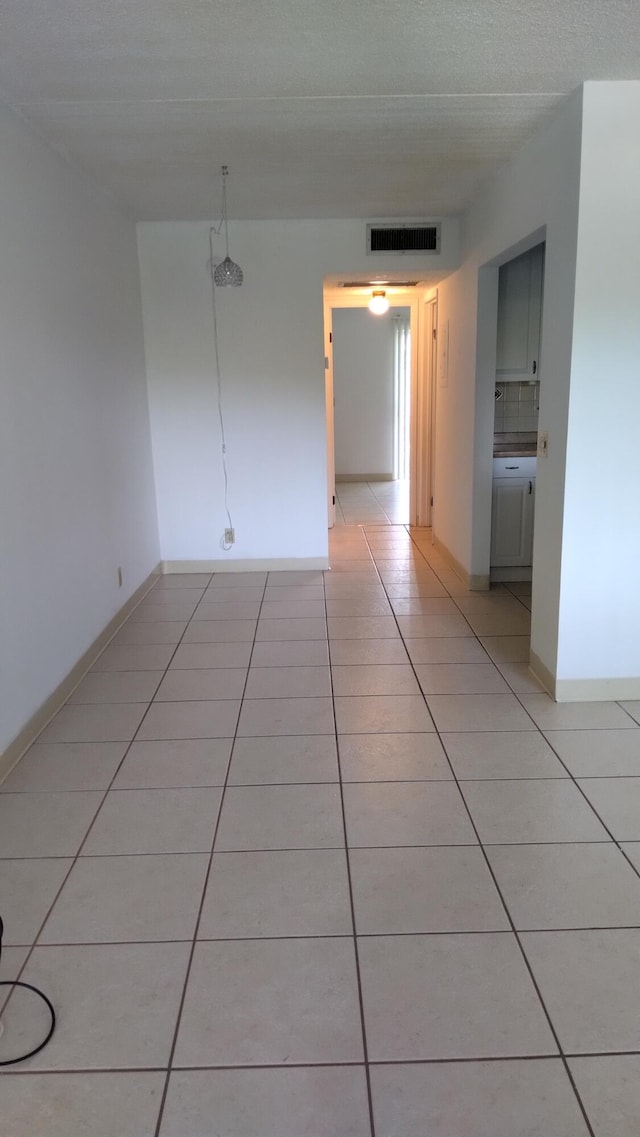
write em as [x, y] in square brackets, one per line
[119, 577]
[229, 536]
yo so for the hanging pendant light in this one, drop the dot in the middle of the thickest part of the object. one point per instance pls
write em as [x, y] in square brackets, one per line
[228, 272]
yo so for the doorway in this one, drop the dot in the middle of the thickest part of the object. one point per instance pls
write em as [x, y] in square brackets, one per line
[401, 394]
[377, 458]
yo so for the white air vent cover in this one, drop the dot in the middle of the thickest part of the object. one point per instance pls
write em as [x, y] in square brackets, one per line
[403, 239]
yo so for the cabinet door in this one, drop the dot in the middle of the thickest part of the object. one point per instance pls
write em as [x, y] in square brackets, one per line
[512, 521]
[519, 315]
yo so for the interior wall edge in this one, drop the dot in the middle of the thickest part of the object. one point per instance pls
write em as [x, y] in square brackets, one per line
[542, 673]
[475, 582]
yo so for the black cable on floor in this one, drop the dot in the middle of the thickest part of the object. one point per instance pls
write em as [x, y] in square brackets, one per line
[45, 1000]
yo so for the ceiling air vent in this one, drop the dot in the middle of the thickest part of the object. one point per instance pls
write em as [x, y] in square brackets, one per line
[403, 239]
[378, 284]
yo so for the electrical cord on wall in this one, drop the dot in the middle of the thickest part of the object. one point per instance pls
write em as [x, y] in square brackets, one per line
[45, 1000]
[225, 544]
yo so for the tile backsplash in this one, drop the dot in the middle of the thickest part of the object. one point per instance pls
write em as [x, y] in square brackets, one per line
[516, 406]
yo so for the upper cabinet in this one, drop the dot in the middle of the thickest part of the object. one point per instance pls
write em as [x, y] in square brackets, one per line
[519, 316]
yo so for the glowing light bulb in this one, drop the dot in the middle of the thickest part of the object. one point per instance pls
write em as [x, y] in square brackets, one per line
[378, 303]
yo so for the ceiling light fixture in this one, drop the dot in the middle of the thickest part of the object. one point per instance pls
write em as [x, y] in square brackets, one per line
[228, 272]
[378, 303]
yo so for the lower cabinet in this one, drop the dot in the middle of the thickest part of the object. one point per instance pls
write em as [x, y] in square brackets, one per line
[512, 521]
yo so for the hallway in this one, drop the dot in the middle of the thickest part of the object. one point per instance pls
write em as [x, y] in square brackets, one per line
[312, 855]
[372, 503]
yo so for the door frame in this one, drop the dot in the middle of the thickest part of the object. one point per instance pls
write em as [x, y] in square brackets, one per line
[426, 409]
[330, 403]
[421, 422]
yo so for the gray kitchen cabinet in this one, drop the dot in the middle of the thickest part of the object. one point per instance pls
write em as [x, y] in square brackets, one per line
[519, 317]
[512, 521]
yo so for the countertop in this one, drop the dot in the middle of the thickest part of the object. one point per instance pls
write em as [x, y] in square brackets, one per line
[515, 444]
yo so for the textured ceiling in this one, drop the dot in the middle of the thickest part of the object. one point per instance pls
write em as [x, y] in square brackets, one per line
[343, 108]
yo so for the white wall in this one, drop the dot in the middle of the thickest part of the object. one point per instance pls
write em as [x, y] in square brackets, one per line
[271, 350]
[577, 185]
[599, 635]
[535, 197]
[363, 390]
[75, 460]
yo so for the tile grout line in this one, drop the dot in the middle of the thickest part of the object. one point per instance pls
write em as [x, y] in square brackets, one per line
[75, 859]
[325, 1064]
[330, 782]
[515, 932]
[432, 934]
[311, 1065]
[614, 840]
[205, 886]
[363, 1027]
[321, 848]
[352, 1065]
[540, 730]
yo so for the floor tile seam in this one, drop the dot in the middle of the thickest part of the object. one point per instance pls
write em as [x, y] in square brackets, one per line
[78, 853]
[163, 671]
[75, 1071]
[300, 782]
[249, 699]
[52, 944]
[319, 782]
[74, 858]
[100, 653]
[383, 1063]
[470, 844]
[109, 789]
[517, 935]
[306, 937]
[619, 703]
[517, 597]
[617, 841]
[203, 895]
[429, 565]
[377, 499]
[510, 919]
[535, 1057]
[411, 662]
[363, 1026]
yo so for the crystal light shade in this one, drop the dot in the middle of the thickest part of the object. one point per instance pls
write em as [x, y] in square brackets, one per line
[228, 272]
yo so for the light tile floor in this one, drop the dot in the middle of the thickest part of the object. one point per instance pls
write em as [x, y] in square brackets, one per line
[372, 503]
[423, 924]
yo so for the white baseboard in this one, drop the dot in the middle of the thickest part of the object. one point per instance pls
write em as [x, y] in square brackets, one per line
[36, 724]
[515, 573]
[596, 690]
[608, 690]
[474, 582]
[542, 674]
[258, 564]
